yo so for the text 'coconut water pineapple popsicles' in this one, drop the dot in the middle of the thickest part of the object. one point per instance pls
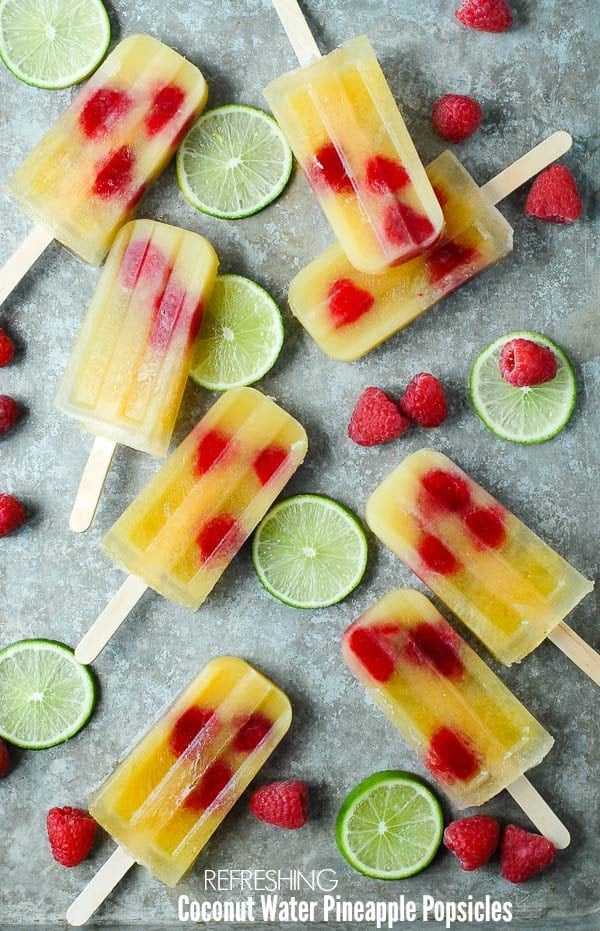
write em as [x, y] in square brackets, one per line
[467, 728]
[85, 177]
[170, 794]
[347, 133]
[182, 531]
[348, 313]
[127, 373]
[508, 586]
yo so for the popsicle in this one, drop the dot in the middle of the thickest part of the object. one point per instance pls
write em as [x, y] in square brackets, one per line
[182, 531]
[347, 133]
[170, 794]
[508, 586]
[126, 376]
[349, 313]
[85, 177]
[467, 728]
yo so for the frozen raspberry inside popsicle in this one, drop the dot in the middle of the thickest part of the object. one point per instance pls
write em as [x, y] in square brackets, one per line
[447, 489]
[434, 644]
[220, 536]
[347, 302]
[103, 111]
[115, 174]
[448, 257]
[384, 175]
[327, 170]
[165, 104]
[402, 224]
[210, 787]
[437, 557]
[451, 757]
[211, 448]
[268, 461]
[167, 312]
[487, 525]
[142, 261]
[187, 727]
[371, 647]
[252, 732]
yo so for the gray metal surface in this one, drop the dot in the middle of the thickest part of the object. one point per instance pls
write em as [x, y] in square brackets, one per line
[539, 77]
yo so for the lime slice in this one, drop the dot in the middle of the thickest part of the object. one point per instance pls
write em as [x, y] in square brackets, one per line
[233, 162]
[53, 43]
[390, 826]
[241, 335]
[46, 696]
[309, 551]
[522, 415]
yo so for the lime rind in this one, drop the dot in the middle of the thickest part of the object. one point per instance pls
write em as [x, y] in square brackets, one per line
[522, 415]
[53, 44]
[234, 162]
[240, 338]
[46, 695]
[390, 826]
[310, 551]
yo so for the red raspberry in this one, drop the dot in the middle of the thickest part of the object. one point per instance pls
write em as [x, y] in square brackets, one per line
[187, 727]
[284, 804]
[485, 15]
[451, 757]
[376, 419]
[7, 348]
[4, 760]
[252, 732]
[424, 401]
[523, 854]
[71, 833]
[554, 196]
[473, 840]
[215, 779]
[456, 117]
[524, 362]
[9, 413]
[12, 514]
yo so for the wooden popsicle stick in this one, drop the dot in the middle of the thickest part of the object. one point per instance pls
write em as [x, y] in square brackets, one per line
[99, 887]
[578, 651]
[539, 812]
[297, 31]
[527, 166]
[91, 484]
[108, 622]
[15, 268]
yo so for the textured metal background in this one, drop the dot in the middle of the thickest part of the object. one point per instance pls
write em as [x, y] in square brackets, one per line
[539, 77]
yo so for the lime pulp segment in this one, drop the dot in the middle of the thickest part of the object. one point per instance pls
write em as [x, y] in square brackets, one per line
[522, 415]
[309, 551]
[233, 162]
[241, 335]
[390, 826]
[46, 696]
[53, 43]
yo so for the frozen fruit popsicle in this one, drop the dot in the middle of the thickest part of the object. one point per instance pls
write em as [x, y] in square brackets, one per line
[182, 531]
[467, 728]
[348, 313]
[508, 586]
[170, 794]
[84, 178]
[347, 133]
[126, 376]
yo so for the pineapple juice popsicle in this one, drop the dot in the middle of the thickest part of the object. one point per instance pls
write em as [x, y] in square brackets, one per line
[85, 177]
[347, 133]
[171, 793]
[467, 728]
[508, 586]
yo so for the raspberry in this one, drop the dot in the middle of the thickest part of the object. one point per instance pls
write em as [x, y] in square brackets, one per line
[384, 175]
[252, 732]
[524, 363]
[166, 102]
[12, 514]
[187, 727]
[327, 169]
[9, 413]
[268, 462]
[212, 783]
[554, 196]
[402, 224]
[115, 174]
[473, 840]
[210, 450]
[436, 645]
[347, 302]
[4, 760]
[456, 117]
[103, 111]
[451, 757]
[449, 490]
[523, 854]
[487, 525]
[284, 804]
[7, 348]
[448, 258]
[376, 419]
[370, 646]
[221, 536]
[485, 15]
[424, 401]
[71, 833]
[436, 556]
